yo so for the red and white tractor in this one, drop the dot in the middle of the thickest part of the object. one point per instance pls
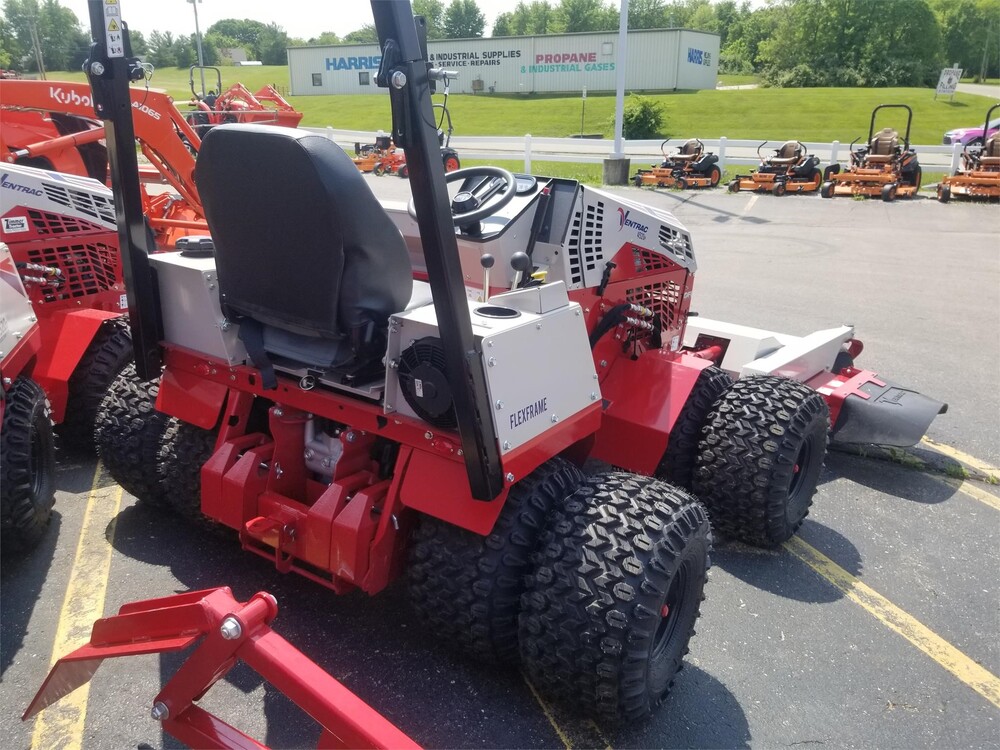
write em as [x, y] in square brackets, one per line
[63, 240]
[364, 392]
[27, 453]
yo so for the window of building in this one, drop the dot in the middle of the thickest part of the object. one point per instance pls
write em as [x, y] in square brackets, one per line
[317, 79]
[364, 78]
[607, 48]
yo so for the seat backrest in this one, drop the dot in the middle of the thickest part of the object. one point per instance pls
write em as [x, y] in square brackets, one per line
[301, 242]
[991, 149]
[788, 150]
[691, 147]
[884, 143]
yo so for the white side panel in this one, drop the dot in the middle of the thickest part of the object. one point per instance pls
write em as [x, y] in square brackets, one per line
[539, 368]
[698, 60]
[54, 192]
[192, 316]
[16, 315]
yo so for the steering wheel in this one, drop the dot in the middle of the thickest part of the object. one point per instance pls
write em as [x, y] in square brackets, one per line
[485, 199]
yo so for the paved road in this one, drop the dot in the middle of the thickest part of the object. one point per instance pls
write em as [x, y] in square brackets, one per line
[783, 657]
[981, 89]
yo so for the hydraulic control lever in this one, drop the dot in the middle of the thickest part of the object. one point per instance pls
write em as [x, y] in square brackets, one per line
[521, 264]
[486, 261]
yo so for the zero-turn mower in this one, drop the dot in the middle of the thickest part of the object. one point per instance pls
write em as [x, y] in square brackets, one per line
[882, 168]
[688, 167]
[363, 392]
[979, 175]
[792, 169]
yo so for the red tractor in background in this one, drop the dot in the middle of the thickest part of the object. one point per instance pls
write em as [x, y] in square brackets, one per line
[27, 452]
[63, 241]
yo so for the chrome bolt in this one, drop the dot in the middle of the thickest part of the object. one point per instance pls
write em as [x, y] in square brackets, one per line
[538, 326]
[506, 445]
[393, 364]
[398, 79]
[98, 70]
[604, 363]
[489, 344]
[554, 419]
[159, 711]
[226, 324]
[309, 453]
[32, 319]
[7, 382]
[492, 361]
[350, 437]
[231, 629]
[429, 435]
[278, 471]
[461, 452]
[499, 405]
[509, 477]
[289, 532]
[593, 396]
[279, 413]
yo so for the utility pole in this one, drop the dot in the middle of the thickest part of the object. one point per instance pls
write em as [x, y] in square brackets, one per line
[201, 57]
[37, 47]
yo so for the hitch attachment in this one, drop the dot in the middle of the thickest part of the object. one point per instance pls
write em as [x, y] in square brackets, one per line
[229, 630]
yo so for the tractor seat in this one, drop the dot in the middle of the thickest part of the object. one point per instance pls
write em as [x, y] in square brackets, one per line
[690, 151]
[882, 148]
[991, 152]
[788, 154]
[307, 259]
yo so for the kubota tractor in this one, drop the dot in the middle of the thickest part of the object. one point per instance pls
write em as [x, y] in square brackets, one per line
[882, 168]
[792, 169]
[237, 104]
[979, 175]
[329, 378]
[688, 167]
[27, 452]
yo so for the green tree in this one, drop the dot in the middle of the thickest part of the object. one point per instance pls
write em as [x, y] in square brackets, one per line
[63, 44]
[327, 37]
[970, 31]
[572, 16]
[464, 20]
[852, 43]
[272, 45]
[138, 42]
[433, 13]
[10, 49]
[365, 35]
[647, 14]
[161, 49]
[527, 19]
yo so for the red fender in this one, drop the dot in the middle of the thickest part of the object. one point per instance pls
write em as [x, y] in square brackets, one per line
[191, 397]
[66, 336]
[644, 398]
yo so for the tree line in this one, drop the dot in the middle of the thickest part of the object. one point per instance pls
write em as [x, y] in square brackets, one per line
[784, 43]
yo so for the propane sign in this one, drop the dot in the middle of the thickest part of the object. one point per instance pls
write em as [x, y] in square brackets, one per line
[948, 82]
[658, 60]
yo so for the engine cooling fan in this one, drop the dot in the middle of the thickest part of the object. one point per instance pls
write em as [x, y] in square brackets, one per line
[424, 386]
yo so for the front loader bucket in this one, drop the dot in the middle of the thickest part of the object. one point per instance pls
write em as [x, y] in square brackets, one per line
[230, 630]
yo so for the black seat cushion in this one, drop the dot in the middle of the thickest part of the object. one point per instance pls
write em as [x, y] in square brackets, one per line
[300, 241]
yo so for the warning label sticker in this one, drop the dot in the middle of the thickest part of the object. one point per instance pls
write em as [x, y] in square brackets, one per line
[112, 22]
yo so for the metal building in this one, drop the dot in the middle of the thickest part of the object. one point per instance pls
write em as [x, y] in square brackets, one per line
[658, 60]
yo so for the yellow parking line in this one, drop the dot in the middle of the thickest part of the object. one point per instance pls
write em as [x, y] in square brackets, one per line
[61, 725]
[548, 713]
[961, 666]
[961, 457]
[967, 488]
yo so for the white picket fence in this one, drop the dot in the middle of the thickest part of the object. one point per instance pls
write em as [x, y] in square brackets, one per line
[594, 151]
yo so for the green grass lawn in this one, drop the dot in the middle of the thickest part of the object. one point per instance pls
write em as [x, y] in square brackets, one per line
[777, 114]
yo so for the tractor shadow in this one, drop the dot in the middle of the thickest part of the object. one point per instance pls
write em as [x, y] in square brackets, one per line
[891, 478]
[22, 577]
[376, 648]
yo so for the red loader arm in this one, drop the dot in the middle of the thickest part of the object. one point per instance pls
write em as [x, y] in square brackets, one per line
[230, 630]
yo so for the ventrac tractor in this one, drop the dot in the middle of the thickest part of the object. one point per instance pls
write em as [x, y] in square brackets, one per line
[362, 392]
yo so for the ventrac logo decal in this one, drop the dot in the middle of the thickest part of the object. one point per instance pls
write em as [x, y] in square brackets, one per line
[6, 184]
[624, 221]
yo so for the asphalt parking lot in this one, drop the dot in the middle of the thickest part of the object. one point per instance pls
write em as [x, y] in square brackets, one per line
[878, 627]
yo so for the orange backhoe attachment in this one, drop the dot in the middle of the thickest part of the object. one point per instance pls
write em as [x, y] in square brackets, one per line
[228, 630]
